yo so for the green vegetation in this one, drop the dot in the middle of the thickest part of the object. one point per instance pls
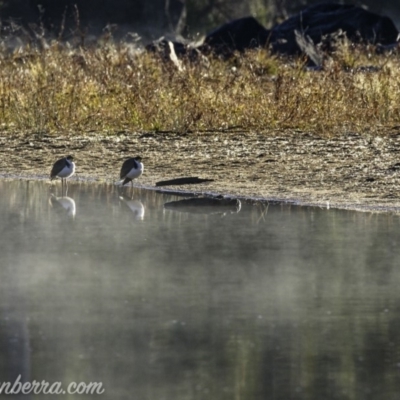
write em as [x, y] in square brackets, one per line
[112, 87]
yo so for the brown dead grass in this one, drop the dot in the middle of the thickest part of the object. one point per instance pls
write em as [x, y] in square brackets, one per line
[114, 87]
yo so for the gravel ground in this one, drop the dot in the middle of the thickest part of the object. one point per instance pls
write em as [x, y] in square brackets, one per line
[351, 171]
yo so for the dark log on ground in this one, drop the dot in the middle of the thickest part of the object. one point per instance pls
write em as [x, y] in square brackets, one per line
[191, 180]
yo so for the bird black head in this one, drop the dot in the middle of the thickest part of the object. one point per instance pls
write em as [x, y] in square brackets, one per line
[138, 158]
[69, 158]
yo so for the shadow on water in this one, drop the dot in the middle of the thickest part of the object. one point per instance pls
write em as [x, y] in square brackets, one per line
[205, 205]
[277, 302]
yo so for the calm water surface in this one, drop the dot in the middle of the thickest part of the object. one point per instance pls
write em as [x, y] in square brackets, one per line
[272, 302]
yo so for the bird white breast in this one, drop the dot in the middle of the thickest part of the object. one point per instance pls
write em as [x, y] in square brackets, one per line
[135, 172]
[67, 171]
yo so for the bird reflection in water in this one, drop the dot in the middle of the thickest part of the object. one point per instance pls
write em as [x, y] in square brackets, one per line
[136, 206]
[63, 204]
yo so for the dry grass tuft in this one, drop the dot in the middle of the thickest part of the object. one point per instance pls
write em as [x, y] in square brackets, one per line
[113, 87]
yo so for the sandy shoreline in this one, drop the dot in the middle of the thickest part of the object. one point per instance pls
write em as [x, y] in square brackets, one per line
[352, 171]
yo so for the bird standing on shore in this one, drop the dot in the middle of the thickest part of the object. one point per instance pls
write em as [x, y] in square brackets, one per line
[63, 168]
[131, 169]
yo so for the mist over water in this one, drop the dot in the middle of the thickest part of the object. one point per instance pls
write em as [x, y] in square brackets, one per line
[269, 302]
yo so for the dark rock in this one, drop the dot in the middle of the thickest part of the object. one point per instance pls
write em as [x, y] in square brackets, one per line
[320, 20]
[238, 35]
[300, 34]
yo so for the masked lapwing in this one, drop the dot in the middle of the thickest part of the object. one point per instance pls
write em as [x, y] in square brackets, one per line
[63, 168]
[131, 169]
